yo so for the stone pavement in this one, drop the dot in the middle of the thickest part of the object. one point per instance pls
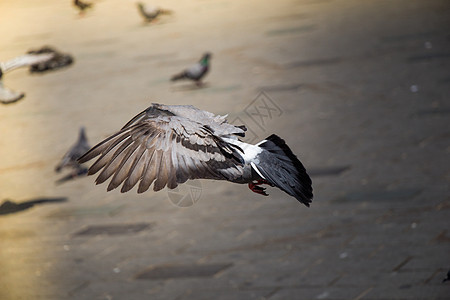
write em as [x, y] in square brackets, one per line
[359, 90]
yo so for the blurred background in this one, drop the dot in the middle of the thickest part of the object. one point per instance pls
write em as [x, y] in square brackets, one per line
[358, 89]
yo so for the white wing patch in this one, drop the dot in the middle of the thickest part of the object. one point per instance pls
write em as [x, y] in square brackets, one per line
[263, 141]
[249, 151]
[256, 169]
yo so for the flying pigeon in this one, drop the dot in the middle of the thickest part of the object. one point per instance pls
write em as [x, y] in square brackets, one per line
[195, 72]
[82, 6]
[69, 160]
[150, 13]
[6, 95]
[169, 144]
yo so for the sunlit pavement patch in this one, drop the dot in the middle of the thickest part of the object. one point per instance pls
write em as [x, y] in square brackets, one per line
[292, 30]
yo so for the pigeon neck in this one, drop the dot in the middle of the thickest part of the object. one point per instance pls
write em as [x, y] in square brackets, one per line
[204, 61]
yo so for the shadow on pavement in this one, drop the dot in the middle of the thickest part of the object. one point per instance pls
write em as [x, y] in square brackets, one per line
[9, 207]
[189, 87]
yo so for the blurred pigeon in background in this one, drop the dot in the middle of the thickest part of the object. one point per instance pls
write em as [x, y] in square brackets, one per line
[58, 61]
[82, 6]
[6, 95]
[69, 161]
[150, 13]
[170, 144]
[195, 72]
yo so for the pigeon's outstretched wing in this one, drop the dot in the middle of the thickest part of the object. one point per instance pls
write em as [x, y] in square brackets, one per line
[9, 96]
[165, 148]
[217, 123]
[24, 61]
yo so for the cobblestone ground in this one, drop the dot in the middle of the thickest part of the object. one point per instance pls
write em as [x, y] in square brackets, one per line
[359, 90]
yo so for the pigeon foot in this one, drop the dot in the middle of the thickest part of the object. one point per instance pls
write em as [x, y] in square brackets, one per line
[255, 187]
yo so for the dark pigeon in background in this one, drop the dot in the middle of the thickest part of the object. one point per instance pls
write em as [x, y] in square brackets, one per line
[58, 61]
[150, 13]
[170, 144]
[195, 72]
[70, 159]
[82, 6]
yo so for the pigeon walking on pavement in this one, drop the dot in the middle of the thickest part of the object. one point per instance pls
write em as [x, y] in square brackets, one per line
[150, 13]
[82, 6]
[195, 72]
[169, 144]
[70, 159]
[9, 96]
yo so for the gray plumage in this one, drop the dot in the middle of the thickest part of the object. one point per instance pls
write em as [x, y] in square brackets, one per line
[82, 6]
[59, 60]
[150, 13]
[70, 159]
[169, 144]
[195, 72]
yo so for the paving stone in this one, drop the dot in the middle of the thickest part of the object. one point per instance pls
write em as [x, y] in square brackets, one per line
[409, 292]
[180, 271]
[114, 229]
[320, 293]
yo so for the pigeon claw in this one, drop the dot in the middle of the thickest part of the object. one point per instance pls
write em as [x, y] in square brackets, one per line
[256, 188]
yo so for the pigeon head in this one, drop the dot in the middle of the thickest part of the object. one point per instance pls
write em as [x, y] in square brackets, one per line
[205, 58]
[82, 133]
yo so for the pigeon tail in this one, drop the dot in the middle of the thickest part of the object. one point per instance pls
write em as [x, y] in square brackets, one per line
[165, 11]
[280, 167]
[179, 76]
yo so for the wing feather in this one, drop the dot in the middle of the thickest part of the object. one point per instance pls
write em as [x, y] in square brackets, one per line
[150, 170]
[163, 173]
[121, 173]
[137, 169]
[112, 165]
[160, 148]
